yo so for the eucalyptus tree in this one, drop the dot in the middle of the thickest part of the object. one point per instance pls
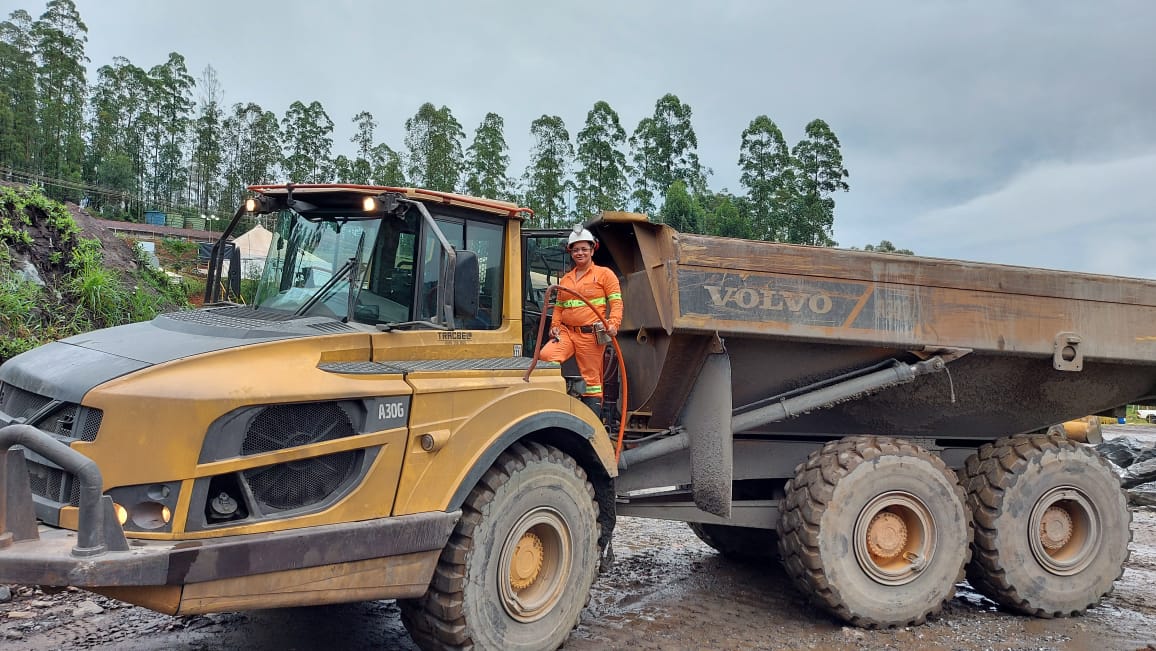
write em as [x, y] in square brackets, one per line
[601, 178]
[434, 140]
[546, 177]
[167, 121]
[308, 144]
[360, 169]
[205, 161]
[17, 92]
[487, 163]
[251, 151]
[768, 174]
[115, 161]
[58, 39]
[664, 151]
[819, 173]
[205, 164]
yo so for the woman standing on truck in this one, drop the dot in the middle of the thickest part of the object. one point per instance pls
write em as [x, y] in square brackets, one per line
[574, 326]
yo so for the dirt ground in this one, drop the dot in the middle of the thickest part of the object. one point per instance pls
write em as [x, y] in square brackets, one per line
[666, 590]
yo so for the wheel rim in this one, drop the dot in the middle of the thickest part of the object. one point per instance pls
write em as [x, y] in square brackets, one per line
[1064, 531]
[535, 563]
[895, 538]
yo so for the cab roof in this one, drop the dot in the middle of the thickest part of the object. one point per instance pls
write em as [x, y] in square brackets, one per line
[347, 193]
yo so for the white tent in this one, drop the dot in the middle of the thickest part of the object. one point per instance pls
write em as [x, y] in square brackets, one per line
[253, 246]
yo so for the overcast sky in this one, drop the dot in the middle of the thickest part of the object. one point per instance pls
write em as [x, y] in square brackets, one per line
[1012, 132]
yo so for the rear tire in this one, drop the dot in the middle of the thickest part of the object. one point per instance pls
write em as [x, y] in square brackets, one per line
[1052, 526]
[1152, 418]
[746, 544]
[518, 567]
[875, 530]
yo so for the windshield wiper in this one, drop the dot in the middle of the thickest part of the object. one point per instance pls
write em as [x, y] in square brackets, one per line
[324, 289]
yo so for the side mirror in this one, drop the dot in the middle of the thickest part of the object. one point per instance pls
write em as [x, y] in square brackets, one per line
[467, 284]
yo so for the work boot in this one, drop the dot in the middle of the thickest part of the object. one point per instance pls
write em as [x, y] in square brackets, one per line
[594, 403]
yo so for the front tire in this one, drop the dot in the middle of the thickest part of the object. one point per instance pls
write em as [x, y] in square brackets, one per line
[875, 530]
[1152, 418]
[1052, 526]
[517, 569]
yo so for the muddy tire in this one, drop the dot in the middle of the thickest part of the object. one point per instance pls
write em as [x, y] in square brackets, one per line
[875, 530]
[746, 544]
[518, 567]
[1052, 526]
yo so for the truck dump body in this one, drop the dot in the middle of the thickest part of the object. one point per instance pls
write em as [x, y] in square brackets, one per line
[792, 315]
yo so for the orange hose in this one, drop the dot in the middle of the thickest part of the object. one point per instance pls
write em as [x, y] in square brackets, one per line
[553, 289]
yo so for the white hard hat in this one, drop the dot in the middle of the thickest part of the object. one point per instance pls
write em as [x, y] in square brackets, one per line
[580, 234]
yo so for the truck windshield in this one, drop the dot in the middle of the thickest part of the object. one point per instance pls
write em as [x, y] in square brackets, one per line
[326, 266]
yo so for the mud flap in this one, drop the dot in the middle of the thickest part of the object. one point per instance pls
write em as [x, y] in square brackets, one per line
[707, 419]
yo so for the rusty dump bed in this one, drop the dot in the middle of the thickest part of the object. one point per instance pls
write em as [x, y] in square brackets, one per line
[790, 316]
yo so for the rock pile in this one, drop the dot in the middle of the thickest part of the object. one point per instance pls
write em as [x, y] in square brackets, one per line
[1135, 463]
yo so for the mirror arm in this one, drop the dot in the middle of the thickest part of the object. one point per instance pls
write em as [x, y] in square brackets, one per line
[216, 259]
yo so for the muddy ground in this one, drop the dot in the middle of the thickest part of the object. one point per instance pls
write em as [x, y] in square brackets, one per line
[667, 590]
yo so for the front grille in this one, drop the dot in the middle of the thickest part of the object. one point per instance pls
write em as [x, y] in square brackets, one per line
[53, 484]
[298, 484]
[18, 403]
[67, 419]
[91, 424]
[286, 426]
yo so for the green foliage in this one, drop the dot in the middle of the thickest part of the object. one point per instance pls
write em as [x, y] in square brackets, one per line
[682, 211]
[96, 288]
[251, 153]
[434, 140]
[17, 92]
[308, 145]
[207, 146]
[724, 216]
[546, 175]
[14, 216]
[601, 179]
[664, 150]
[768, 175]
[181, 253]
[819, 174]
[167, 121]
[487, 162]
[58, 39]
[885, 246]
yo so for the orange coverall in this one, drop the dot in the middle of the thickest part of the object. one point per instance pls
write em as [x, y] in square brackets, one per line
[575, 321]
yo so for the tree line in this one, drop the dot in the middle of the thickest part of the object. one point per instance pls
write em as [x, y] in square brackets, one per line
[159, 138]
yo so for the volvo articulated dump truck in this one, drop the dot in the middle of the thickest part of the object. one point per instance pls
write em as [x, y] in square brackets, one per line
[372, 425]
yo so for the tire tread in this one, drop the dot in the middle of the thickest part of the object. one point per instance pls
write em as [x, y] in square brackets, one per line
[436, 620]
[809, 493]
[990, 473]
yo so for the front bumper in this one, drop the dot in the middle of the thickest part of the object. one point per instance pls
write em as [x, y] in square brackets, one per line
[98, 555]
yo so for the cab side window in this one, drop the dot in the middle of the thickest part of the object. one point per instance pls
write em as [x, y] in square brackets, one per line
[483, 238]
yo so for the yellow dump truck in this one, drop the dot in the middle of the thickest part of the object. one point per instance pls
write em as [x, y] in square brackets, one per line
[372, 425]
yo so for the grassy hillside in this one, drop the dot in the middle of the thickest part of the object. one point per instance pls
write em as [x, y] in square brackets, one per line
[61, 274]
